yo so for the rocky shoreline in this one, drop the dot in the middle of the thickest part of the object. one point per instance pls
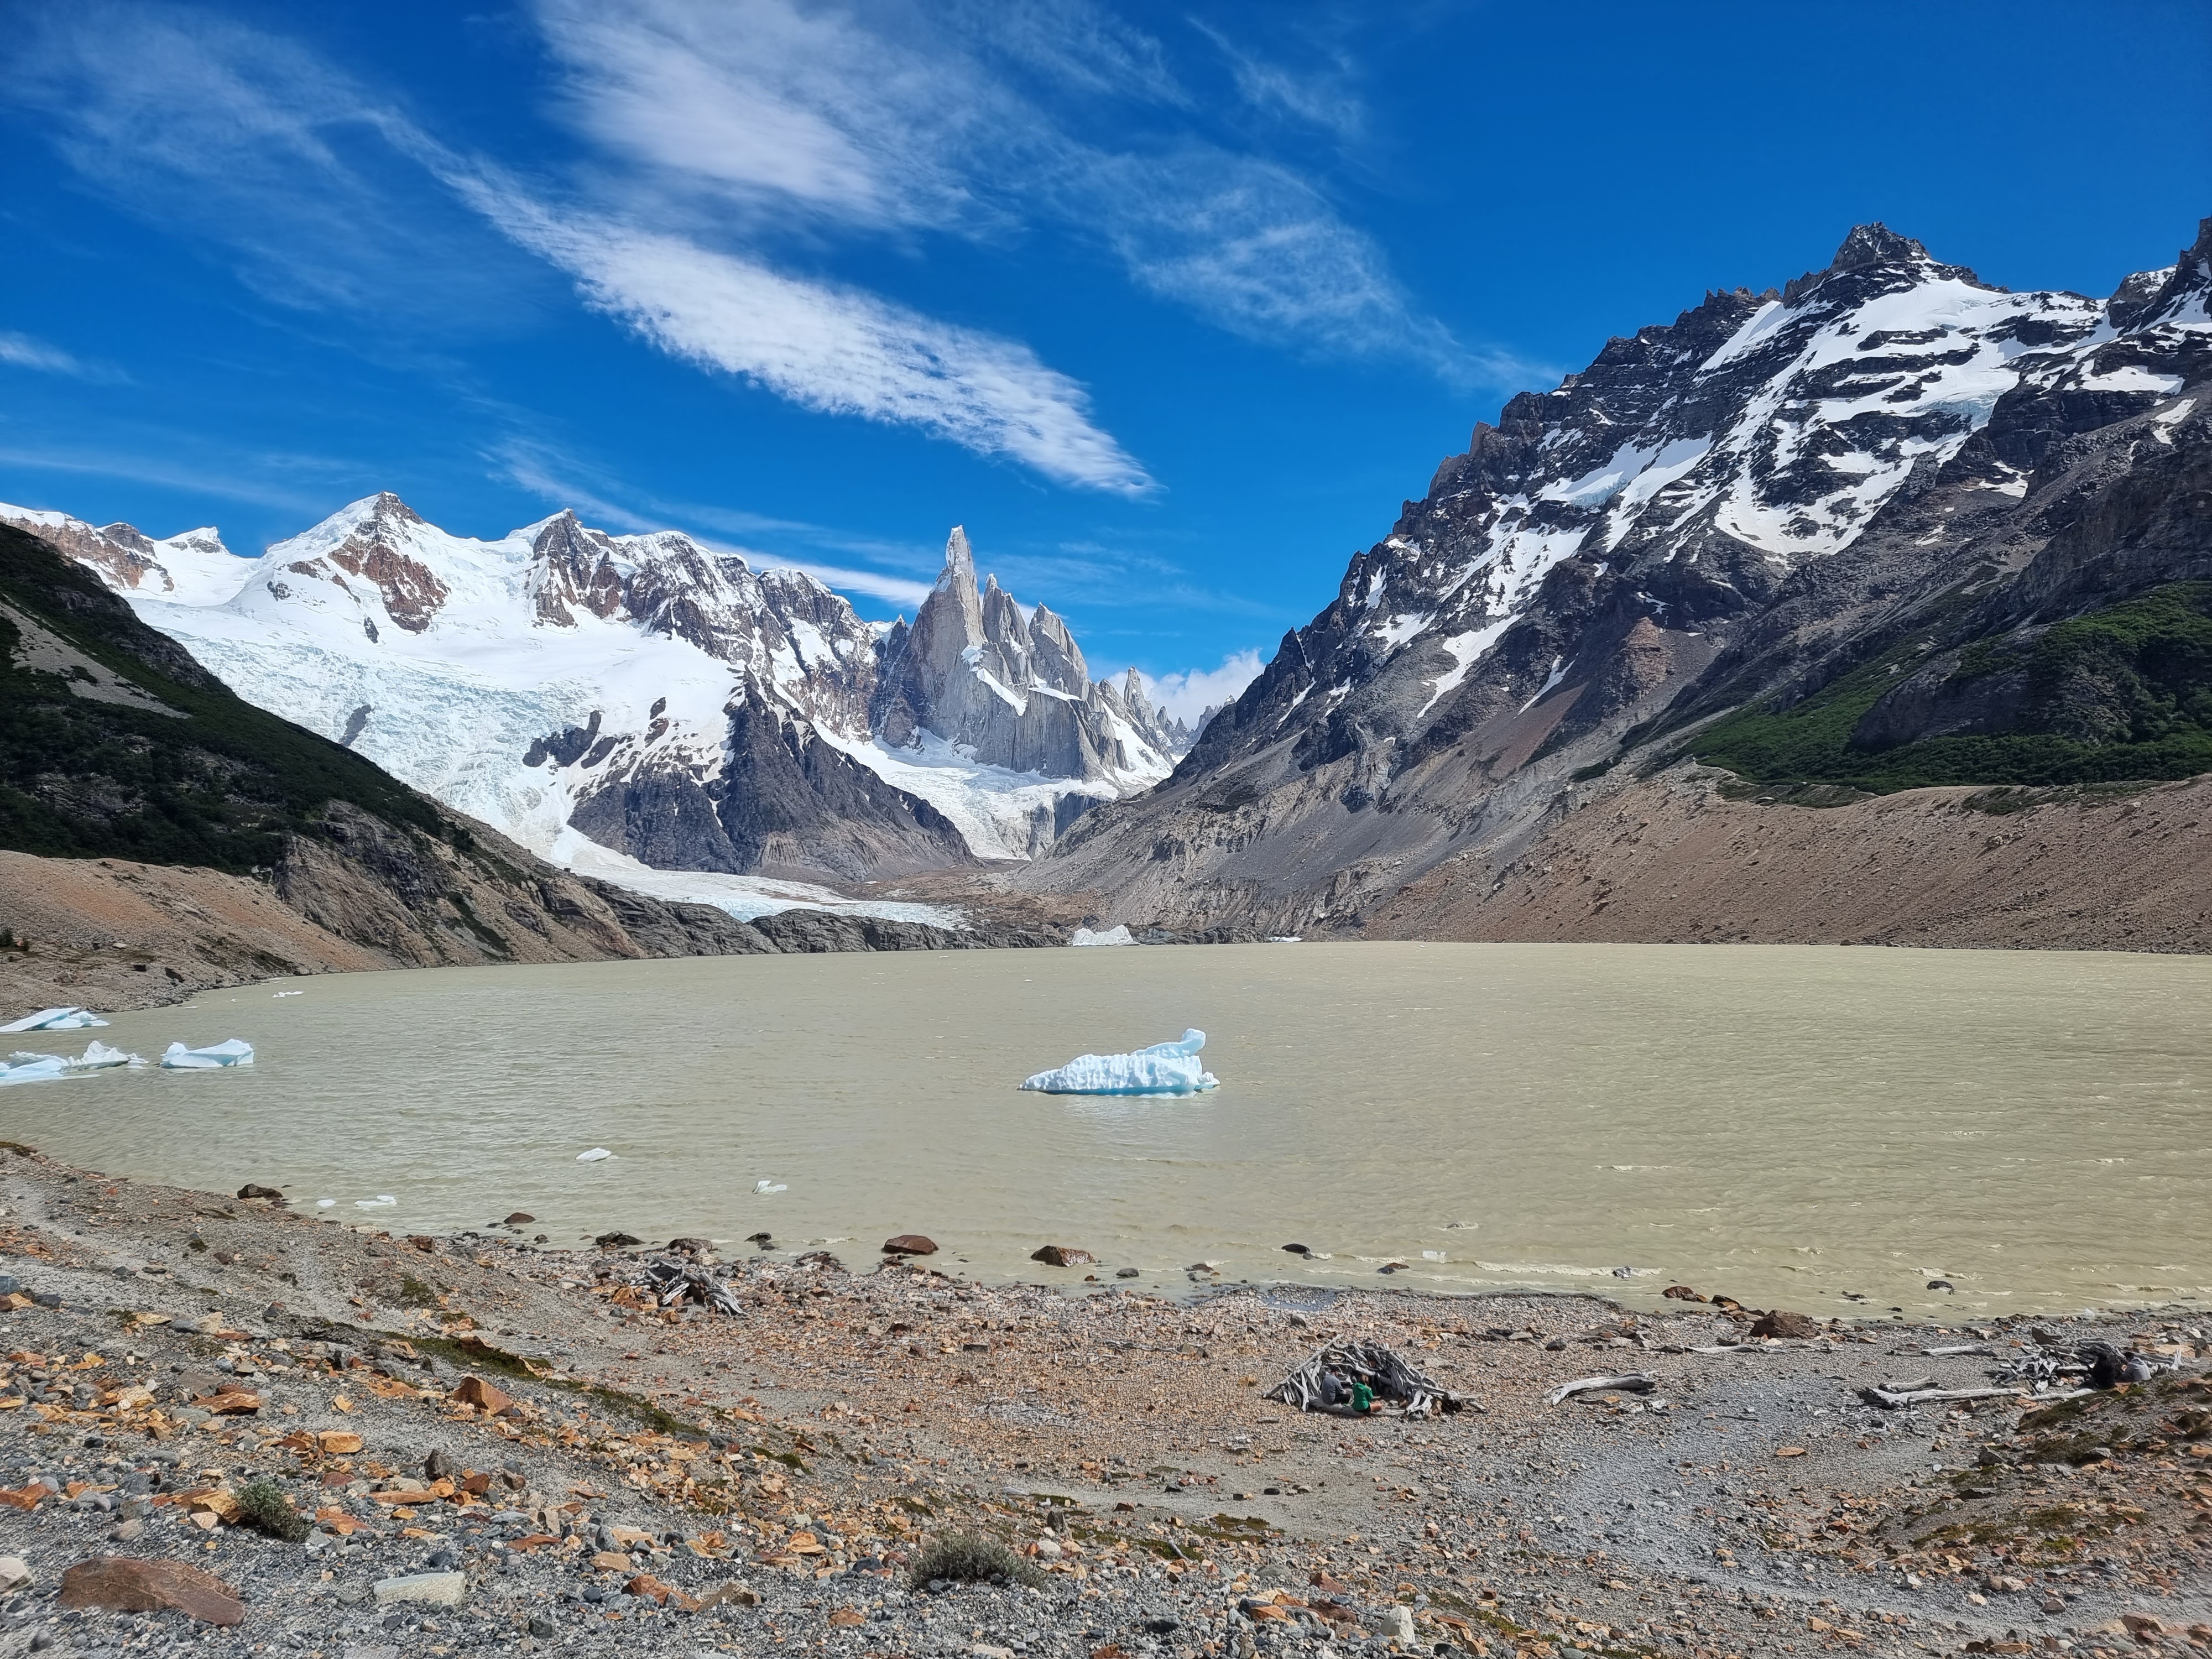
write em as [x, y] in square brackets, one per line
[492, 1445]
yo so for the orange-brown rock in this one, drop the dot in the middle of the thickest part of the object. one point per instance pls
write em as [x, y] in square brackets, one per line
[123, 1584]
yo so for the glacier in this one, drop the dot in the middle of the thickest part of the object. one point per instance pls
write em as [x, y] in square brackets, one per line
[560, 683]
[1165, 1068]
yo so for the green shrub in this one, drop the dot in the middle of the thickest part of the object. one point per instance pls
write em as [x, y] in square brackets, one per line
[263, 1506]
[967, 1557]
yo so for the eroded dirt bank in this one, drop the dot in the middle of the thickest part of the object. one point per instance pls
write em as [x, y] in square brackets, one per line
[1674, 859]
[517, 1434]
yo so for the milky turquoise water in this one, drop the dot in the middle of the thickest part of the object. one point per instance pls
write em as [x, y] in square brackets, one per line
[1786, 1124]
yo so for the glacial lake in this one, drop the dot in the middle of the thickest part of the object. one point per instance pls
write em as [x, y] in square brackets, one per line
[1791, 1126]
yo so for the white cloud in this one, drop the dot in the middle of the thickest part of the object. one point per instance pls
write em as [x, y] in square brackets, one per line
[22, 351]
[1190, 693]
[838, 350]
[884, 117]
[318, 183]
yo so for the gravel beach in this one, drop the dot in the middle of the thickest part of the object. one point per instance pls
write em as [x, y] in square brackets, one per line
[491, 1444]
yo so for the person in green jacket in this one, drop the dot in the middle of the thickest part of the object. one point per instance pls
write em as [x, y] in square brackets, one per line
[1363, 1397]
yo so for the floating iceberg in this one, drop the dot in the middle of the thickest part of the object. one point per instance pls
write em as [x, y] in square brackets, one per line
[23, 1067]
[236, 1052]
[1165, 1068]
[593, 1156]
[99, 1057]
[55, 1019]
[764, 1187]
[381, 1201]
[1118, 934]
[32, 1068]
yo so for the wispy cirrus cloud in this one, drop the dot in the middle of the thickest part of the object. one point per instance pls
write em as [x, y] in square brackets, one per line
[887, 119]
[840, 351]
[26, 351]
[316, 182]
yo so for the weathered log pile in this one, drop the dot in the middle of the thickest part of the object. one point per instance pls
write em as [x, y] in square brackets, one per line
[1389, 1374]
[671, 1282]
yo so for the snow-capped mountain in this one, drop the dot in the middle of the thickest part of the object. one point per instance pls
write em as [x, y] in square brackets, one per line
[609, 699]
[1715, 509]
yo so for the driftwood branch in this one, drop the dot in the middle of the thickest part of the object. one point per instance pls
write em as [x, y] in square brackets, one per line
[1891, 1400]
[1388, 1373]
[1635, 1383]
[670, 1283]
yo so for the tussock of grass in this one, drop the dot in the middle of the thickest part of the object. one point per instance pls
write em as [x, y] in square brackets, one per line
[263, 1506]
[972, 1559]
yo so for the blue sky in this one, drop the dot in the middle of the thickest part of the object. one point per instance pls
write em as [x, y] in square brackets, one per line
[1171, 307]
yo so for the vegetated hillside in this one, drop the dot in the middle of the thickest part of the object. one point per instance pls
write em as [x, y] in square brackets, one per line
[114, 743]
[1888, 528]
[164, 836]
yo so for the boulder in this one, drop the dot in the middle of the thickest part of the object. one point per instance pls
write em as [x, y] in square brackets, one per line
[520, 1219]
[437, 1590]
[1780, 1322]
[14, 1575]
[1062, 1255]
[125, 1585]
[250, 1190]
[1682, 1293]
[474, 1391]
[616, 1241]
[909, 1244]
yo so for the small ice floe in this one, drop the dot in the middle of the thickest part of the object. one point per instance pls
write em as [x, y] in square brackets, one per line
[1118, 934]
[593, 1156]
[291, 993]
[326, 1203]
[99, 1057]
[381, 1201]
[1285, 938]
[55, 1019]
[1165, 1068]
[764, 1187]
[32, 1068]
[23, 1066]
[236, 1052]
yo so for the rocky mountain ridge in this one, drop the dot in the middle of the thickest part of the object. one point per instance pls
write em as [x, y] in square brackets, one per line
[162, 836]
[619, 701]
[1888, 469]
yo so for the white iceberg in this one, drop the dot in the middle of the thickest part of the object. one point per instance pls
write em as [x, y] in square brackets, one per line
[1165, 1068]
[55, 1019]
[593, 1156]
[32, 1068]
[764, 1187]
[1118, 934]
[25, 1067]
[99, 1057]
[236, 1052]
[381, 1201]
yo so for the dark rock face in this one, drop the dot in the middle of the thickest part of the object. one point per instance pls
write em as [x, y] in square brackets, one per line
[1742, 507]
[1011, 692]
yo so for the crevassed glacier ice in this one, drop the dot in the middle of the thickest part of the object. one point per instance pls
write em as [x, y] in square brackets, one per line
[1165, 1068]
[55, 1019]
[1117, 935]
[236, 1052]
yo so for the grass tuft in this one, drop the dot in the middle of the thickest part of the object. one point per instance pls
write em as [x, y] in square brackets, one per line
[967, 1558]
[263, 1506]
